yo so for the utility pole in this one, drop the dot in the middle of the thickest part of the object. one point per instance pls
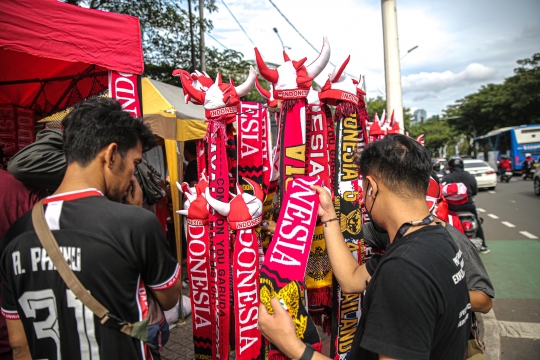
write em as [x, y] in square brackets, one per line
[392, 66]
[193, 64]
[203, 48]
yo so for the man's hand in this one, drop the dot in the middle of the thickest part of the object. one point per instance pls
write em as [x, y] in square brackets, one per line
[134, 193]
[279, 330]
[326, 206]
[268, 226]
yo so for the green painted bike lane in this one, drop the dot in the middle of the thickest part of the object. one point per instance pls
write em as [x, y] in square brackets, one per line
[514, 268]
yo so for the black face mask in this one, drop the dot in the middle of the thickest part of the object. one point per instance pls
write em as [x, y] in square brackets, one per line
[376, 226]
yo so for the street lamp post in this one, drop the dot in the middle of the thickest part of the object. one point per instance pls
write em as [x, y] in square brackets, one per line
[281, 41]
[394, 100]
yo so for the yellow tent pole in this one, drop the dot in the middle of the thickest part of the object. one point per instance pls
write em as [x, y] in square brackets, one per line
[175, 175]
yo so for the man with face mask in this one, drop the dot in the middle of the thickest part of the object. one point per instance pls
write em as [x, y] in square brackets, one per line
[117, 251]
[416, 304]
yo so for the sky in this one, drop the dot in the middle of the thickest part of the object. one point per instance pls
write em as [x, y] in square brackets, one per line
[462, 44]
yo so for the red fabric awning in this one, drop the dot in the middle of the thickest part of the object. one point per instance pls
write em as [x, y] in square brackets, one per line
[46, 39]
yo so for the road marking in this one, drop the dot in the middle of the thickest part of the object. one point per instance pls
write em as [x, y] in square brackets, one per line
[528, 234]
[480, 210]
[491, 192]
[494, 329]
[519, 330]
[492, 336]
[493, 216]
[508, 224]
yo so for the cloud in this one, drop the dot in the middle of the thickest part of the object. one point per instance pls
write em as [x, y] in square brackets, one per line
[425, 96]
[434, 82]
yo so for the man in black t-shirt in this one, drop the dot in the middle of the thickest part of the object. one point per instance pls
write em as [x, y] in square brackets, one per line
[190, 153]
[416, 305]
[117, 251]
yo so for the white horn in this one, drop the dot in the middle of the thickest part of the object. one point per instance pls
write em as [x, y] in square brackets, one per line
[182, 212]
[221, 207]
[245, 88]
[315, 68]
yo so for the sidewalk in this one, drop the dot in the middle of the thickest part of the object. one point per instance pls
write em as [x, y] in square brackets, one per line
[180, 345]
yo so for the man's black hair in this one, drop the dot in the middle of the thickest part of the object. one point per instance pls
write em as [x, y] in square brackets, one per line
[96, 123]
[191, 147]
[400, 162]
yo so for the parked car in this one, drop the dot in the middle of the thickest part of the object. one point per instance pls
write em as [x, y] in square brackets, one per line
[486, 176]
[536, 181]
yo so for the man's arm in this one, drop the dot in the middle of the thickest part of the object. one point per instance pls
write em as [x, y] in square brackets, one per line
[279, 330]
[480, 301]
[351, 276]
[168, 298]
[17, 340]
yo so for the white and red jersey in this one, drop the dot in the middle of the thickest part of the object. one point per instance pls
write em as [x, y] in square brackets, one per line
[117, 251]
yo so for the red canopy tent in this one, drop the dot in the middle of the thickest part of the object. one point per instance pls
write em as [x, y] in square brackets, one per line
[52, 55]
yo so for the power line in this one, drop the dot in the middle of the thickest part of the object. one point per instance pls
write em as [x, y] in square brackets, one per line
[216, 40]
[235, 19]
[302, 36]
[295, 29]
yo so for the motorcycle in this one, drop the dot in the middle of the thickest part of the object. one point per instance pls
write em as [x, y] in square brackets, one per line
[529, 174]
[506, 176]
[470, 227]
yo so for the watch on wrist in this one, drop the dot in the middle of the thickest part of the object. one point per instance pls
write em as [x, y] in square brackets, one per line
[308, 353]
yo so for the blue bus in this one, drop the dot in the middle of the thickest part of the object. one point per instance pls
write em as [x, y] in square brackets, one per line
[513, 141]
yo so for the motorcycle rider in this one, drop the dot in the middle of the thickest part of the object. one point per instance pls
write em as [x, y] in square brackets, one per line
[458, 175]
[504, 165]
[527, 165]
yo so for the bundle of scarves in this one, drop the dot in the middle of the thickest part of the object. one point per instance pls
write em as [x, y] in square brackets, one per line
[297, 154]
[223, 249]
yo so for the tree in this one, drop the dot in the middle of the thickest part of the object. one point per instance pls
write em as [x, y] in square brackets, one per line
[438, 134]
[514, 102]
[378, 105]
[166, 39]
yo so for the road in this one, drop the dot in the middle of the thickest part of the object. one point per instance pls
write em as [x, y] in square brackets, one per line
[511, 216]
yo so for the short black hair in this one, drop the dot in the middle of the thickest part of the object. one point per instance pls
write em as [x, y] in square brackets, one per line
[400, 162]
[191, 147]
[95, 123]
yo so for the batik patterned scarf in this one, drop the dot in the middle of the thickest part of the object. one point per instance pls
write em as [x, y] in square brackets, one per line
[286, 259]
[346, 307]
[319, 271]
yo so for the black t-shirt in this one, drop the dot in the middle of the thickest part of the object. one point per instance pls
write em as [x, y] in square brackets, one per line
[417, 304]
[191, 172]
[117, 251]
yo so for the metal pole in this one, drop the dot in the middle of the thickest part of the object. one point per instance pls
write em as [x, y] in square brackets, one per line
[279, 37]
[392, 67]
[201, 28]
[193, 65]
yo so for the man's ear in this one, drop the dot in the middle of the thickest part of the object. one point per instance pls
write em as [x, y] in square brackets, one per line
[111, 155]
[372, 186]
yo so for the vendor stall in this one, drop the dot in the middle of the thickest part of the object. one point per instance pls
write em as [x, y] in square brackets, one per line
[52, 55]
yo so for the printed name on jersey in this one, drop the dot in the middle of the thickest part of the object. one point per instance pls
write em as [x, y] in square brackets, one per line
[41, 261]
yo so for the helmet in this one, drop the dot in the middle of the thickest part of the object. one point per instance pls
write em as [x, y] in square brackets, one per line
[455, 161]
[504, 156]
[527, 154]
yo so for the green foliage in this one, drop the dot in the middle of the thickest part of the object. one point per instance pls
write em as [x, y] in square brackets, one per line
[166, 39]
[512, 103]
[437, 134]
[378, 105]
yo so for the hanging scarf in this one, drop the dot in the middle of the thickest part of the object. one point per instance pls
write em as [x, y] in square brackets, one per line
[319, 271]
[198, 267]
[346, 307]
[219, 238]
[293, 150]
[286, 258]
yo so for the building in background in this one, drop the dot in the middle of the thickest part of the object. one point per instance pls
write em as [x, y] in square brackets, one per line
[419, 116]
